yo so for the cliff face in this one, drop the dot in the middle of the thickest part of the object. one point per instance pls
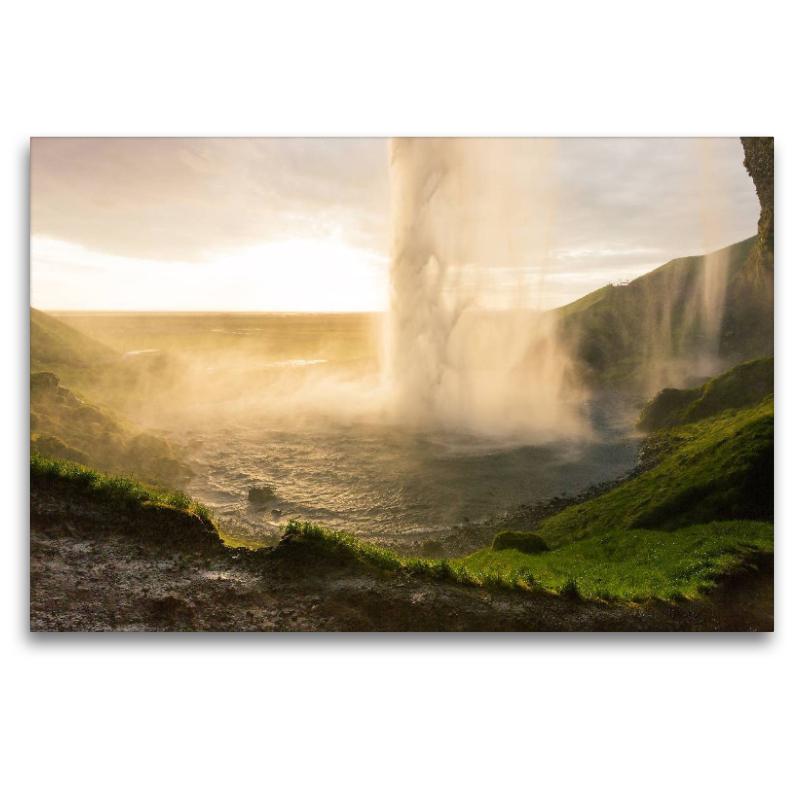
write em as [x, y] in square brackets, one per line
[759, 162]
[750, 303]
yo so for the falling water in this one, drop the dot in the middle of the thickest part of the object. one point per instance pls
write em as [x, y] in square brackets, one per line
[468, 346]
[715, 261]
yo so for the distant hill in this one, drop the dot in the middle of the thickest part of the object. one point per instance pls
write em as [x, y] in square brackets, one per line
[54, 344]
[75, 422]
[646, 334]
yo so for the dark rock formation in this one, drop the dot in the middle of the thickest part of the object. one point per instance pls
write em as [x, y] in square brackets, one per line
[261, 494]
[760, 164]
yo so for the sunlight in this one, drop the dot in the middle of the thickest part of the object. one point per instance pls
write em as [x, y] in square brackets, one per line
[316, 275]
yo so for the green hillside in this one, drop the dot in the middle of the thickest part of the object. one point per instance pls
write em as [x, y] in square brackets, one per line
[66, 422]
[635, 565]
[623, 335]
[54, 344]
[702, 509]
[636, 335]
[720, 468]
[741, 386]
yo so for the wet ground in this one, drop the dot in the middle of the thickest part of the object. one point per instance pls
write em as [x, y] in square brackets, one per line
[94, 568]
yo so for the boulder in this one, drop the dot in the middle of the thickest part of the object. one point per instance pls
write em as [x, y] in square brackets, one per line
[261, 494]
[523, 541]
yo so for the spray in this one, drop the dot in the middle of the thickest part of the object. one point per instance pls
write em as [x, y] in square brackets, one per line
[468, 346]
[715, 261]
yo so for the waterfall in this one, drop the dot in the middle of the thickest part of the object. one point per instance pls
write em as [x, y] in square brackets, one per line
[468, 345]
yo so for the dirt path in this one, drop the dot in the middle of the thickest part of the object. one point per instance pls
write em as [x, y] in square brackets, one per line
[94, 568]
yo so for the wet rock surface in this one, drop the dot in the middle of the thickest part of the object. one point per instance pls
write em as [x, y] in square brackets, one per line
[95, 568]
[261, 495]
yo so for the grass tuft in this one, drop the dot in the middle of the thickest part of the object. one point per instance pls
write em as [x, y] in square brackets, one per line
[636, 565]
[118, 489]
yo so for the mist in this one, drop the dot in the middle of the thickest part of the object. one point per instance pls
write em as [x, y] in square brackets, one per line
[466, 349]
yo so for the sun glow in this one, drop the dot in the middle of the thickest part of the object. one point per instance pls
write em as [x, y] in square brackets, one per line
[296, 274]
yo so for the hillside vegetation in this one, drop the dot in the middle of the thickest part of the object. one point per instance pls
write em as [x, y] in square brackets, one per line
[648, 332]
[65, 423]
[741, 386]
[635, 565]
[700, 511]
[55, 344]
[720, 468]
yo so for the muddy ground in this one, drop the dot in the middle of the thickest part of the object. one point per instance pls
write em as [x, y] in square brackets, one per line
[95, 567]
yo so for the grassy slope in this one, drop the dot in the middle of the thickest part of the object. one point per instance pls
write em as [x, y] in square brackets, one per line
[54, 343]
[641, 540]
[716, 469]
[701, 513]
[620, 334]
[66, 424]
[635, 565]
[120, 490]
[741, 386]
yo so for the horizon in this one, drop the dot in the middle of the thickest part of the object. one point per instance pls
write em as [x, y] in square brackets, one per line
[303, 226]
[342, 312]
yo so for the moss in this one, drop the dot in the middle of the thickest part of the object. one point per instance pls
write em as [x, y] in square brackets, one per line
[666, 409]
[626, 335]
[116, 489]
[53, 447]
[523, 541]
[741, 386]
[634, 565]
[67, 427]
[716, 469]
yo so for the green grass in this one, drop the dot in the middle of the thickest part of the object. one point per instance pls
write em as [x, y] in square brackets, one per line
[342, 547]
[55, 344]
[743, 385]
[717, 469]
[626, 336]
[120, 490]
[633, 565]
[66, 426]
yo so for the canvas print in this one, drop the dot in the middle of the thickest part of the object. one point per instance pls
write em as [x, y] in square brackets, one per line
[461, 384]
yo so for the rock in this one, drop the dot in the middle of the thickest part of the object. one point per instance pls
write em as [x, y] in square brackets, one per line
[524, 541]
[432, 549]
[44, 386]
[261, 494]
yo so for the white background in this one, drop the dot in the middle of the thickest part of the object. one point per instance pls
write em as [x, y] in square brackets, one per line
[382, 716]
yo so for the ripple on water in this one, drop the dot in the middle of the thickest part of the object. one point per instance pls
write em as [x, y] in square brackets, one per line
[388, 482]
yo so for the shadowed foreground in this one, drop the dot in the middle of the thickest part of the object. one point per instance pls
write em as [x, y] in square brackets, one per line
[98, 566]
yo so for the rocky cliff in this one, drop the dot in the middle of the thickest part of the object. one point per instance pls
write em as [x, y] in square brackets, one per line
[759, 162]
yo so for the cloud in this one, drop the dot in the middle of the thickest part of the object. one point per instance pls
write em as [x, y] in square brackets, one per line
[618, 207]
[190, 199]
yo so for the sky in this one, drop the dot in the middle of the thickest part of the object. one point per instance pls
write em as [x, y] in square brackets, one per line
[295, 225]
